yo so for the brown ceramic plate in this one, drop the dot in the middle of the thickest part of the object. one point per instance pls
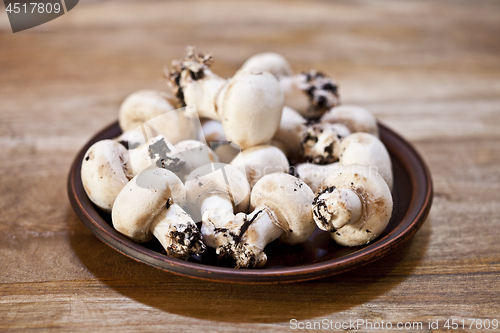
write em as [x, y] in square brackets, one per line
[318, 257]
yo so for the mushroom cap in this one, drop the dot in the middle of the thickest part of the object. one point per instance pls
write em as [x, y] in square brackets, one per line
[156, 110]
[156, 151]
[290, 200]
[356, 118]
[366, 149]
[314, 174]
[256, 162]
[105, 171]
[143, 199]
[294, 95]
[289, 133]
[250, 107]
[271, 62]
[195, 154]
[376, 200]
[212, 130]
[217, 179]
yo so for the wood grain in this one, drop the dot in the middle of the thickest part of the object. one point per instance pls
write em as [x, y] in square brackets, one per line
[430, 71]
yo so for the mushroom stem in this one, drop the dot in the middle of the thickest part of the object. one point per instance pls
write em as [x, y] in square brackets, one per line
[194, 83]
[261, 229]
[336, 207]
[177, 232]
[220, 209]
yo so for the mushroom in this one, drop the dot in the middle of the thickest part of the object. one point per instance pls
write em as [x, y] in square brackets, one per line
[105, 171]
[256, 162]
[249, 104]
[195, 154]
[290, 132]
[314, 174]
[366, 149]
[250, 107]
[321, 142]
[355, 205]
[150, 113]
[357, 148]
[317, 142]
[194, 83]
[214, 135]
[356, 118]
[218, 187]
[157, 151]
[271, 62]
[282, 208]
[150, 206]
[311, 93]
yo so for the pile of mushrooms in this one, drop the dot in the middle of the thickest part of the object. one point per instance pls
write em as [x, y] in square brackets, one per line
[235, 164]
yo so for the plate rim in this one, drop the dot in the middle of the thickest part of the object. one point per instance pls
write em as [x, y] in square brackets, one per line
[415, 216]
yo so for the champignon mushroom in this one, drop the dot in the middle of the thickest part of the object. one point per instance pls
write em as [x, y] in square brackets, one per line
[214, 135]
[271, 62]
[256, 162]
[195, 154]
[150, 113]
[195, 84]
[321, 142]
[366, 149]
[105, 171]
[356, 148]
[282, 208]
[290, 133]
[150, 205]
[314, 174]
[249, 104]
[157, 151]
[216, 187]
[250, 107]
[311, 93]
[356, 118]
[355, 206]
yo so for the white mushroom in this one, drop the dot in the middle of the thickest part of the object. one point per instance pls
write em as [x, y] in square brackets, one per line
[357, 148]
[258, 161]
[355, 206]
[321, 142]
[214, 135]
[212, 130]
[314, 174]
[366, 149]
[105, 171]
[250, 107]
[310, 93]
[282, 208]
[216, 187]
[249, 104]
[271, 62]
[150, 113]
[157, 152]
[195, 154]
[194, 83]
[150, 205]
[290, 133]
[356, 118]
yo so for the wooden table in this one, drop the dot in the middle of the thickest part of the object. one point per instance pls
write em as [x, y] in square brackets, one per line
[430, 71]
